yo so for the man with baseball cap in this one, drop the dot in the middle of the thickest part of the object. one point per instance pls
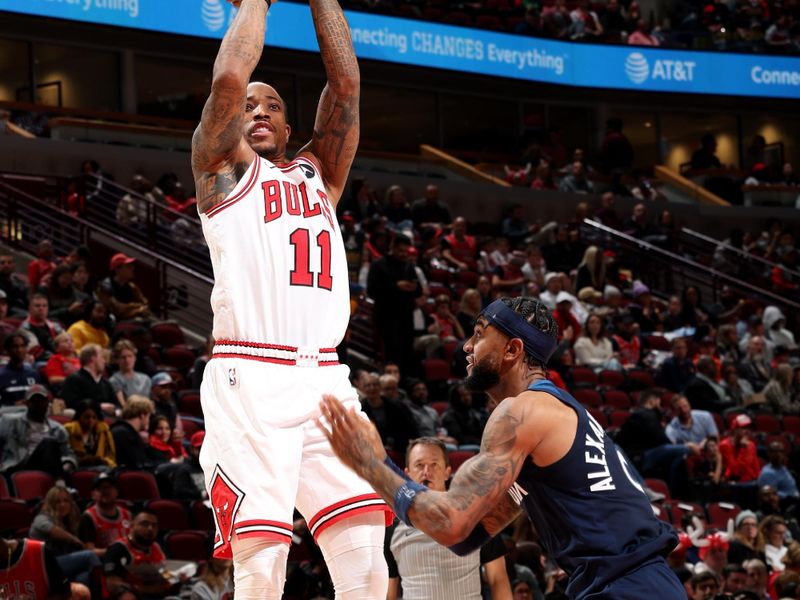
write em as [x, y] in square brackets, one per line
[105, 521]
[32, 442]
[739, 452]
[120, 295]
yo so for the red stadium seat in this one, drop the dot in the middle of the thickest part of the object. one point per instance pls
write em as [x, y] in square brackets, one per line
[679, 509]
[767, 423]
[5, 493]
[618, 417]
[657, 342]
[202, 516]
[458, 457]
[720, 512]
[658, 485]
[436, 370]
[616, 399]
[588, 397]
[171, 514]
[167, 334]
[599, 416]
[468, 278]
[187, 545]
[781, 439]
[189, 403]
[584, 376]
[83, 481]
[15, 518]
[449, 349]
[489, 22]
[31, 485]
[137, 485]
[440, 407]
[180, 358]
[458, 18]
[191, 426]
[612, 379]
[791, 424]
[664, 512]
[643, 378]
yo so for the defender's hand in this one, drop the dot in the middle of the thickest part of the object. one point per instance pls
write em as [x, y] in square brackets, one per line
[354, 439]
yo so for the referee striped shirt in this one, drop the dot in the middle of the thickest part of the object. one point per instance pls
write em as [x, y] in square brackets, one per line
[429, 571]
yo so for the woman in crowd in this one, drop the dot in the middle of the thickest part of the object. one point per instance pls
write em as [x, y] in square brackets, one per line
[450, 329]
[469, 309]
[215, 582]
[57, 526]
[80, 280]
[163, 441]
[90, 438]
[127, 382]
[693, 313]
[462, 421]
[63, 363]
[591, 270]
[593, 349]
[778, 392]
[773, 530]
[747, 541]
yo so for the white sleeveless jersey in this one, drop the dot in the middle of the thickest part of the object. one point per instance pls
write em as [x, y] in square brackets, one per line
[280, 273]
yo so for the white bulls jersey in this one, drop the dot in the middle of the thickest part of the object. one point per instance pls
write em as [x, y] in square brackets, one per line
[279, 262]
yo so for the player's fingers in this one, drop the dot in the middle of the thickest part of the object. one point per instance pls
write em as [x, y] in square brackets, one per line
[334, 406]
[324, 429]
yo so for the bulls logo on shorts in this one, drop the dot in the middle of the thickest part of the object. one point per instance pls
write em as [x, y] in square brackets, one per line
[307, 170]
[225, 498]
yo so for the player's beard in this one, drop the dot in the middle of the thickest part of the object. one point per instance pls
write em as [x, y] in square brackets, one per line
[483, 376]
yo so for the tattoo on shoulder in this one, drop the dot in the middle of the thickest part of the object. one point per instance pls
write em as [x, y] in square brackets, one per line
[213, 188]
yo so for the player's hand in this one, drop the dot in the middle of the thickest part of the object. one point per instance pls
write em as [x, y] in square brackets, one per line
[353, 438]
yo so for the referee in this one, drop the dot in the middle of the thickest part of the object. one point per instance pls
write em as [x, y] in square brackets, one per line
[427, 570]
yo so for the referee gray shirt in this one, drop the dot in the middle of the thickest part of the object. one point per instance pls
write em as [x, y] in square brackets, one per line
[429, 571]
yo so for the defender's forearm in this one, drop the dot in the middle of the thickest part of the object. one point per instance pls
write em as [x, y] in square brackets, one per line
[335, 44]
[243, 43]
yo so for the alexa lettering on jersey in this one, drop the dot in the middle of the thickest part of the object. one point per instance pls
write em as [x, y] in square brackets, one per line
[595, 458]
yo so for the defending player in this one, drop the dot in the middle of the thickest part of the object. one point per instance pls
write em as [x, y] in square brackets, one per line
[541, 449]
[281, 306]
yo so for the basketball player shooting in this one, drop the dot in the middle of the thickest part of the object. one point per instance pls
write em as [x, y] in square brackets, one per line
[281, 306]
[541, 451]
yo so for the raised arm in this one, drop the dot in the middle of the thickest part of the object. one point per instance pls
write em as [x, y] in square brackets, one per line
[218, 146]
[336, 128]
[478, 488]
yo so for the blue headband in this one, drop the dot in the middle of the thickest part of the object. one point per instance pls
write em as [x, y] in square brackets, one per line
[537, 344]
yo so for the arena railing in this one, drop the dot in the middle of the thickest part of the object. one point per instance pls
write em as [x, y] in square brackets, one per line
[650, 260]
[175, 290]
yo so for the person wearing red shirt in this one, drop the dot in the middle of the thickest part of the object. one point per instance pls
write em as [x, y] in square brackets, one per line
[42, 265]
[460, 249]
[30, 571]
[564, 317]
[64, 362]
[739, 459]
[105, 521]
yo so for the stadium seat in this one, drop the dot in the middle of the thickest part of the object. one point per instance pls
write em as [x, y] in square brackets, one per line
[720, 512]
[458, 18]
[31, 485]
[187, 545]
[440, 407]
[679, 509]
[83, 482]
[641, 378]
[189, 403]
[172, 515]
[588, 397]
[436, 370]
[612, 379]
[137, 485]
[767, 423]
[664, 512]
[618, 417]
[191, 425]
[202, 516]
[468, 278]
[449, 349]
[791, 424]
[599, 416]
[458, 457]
[438, 289]
[616, 399]
[167, 334]
[441, 276]
[658, 485]
[489, 22]
[584, 376]
[179, 357]
[780, 438]
[657, 342]
[15, 518]
[5, 493]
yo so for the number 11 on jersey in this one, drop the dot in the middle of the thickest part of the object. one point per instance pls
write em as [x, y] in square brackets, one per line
[301, 274]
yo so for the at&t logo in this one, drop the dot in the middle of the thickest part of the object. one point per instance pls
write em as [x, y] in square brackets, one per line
[213, 14]
[637, 68]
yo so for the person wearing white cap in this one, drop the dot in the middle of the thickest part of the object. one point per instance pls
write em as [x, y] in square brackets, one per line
[553, 287]
[739, 452]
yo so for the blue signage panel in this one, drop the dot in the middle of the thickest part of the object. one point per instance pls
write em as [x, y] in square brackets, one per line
[426, 44]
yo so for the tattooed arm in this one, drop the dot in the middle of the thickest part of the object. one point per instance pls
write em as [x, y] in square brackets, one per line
[478, 488]
[336, 129]
[502, 515]
[219, 154]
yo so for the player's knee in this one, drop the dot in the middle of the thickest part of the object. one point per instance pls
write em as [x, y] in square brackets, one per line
[353, 551]
[259, 568]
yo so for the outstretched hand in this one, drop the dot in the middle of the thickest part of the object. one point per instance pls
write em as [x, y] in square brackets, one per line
[354, 439]
[238, 3]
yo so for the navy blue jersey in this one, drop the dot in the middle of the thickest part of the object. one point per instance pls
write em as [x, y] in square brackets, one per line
[590, 510]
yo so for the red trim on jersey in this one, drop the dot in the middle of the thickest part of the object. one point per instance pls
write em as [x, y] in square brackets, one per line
[281, 361]
[321, 521]
[254, 173]
[324, 350]
[265, 346]
[270, 535]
